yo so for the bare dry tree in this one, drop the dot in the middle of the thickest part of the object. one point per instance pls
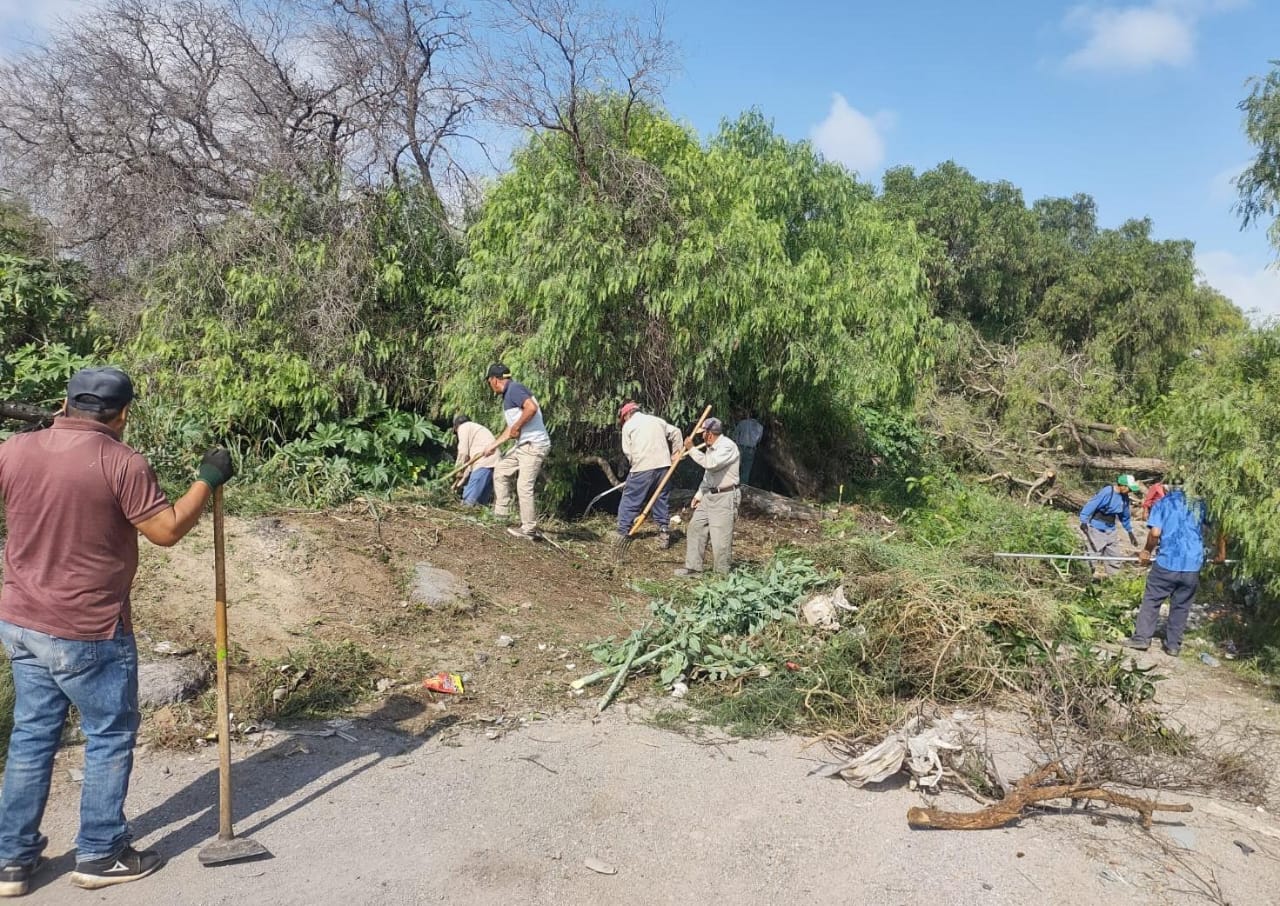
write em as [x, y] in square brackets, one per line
[408, 66]
[549, 57]
[149, 120]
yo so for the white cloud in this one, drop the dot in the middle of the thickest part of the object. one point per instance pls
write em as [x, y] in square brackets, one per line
[1254, 289]
[850, 137]
[1133, 38]
[1222, 187]
[1139, 37]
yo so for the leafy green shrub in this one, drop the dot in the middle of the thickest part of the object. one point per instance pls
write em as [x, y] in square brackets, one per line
[301, 337]
[957, 514]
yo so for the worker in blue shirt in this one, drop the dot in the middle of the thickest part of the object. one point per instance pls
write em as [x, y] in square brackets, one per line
[1098, 523]
[1176, 526]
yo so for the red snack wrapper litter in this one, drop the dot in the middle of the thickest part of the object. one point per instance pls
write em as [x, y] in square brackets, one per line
[448, 683]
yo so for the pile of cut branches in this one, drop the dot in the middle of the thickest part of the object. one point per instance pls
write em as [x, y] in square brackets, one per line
[715, 630]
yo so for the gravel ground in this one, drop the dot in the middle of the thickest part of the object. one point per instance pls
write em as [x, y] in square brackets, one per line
[461, 818]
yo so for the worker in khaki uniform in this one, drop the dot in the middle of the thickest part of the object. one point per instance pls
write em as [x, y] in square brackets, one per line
[715, 506]
[648, 442]
[473, 440]
[519, 467]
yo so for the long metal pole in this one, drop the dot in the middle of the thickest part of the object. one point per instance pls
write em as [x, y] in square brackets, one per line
[1090, 557]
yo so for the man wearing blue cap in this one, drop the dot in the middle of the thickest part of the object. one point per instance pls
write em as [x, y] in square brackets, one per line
[1098, 523]
[75, 499]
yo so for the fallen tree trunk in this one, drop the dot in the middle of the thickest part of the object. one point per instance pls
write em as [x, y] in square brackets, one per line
[603, 465]
[24, 412]
[1139, 465]
[756, 502]
[1027, 792]
[779, 456]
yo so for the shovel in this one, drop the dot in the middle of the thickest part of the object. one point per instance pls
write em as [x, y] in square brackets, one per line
[228, 847]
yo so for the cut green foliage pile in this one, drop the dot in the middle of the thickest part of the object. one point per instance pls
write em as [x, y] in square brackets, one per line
[721, 629]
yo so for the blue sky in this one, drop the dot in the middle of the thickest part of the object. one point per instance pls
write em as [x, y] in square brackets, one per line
[1134, 103]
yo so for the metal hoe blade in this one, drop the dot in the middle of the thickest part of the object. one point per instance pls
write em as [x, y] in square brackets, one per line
[236, 849]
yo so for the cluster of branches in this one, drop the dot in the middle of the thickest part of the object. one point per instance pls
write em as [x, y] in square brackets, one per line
[1020, 420]
[146, 122]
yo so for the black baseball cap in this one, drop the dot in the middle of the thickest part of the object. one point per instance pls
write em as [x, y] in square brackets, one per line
[99, 389]
[497, 370]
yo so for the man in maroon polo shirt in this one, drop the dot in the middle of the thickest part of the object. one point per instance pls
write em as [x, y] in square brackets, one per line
[75, 499]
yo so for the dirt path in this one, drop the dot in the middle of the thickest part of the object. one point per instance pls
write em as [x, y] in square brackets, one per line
[461, 818]
[482, 800]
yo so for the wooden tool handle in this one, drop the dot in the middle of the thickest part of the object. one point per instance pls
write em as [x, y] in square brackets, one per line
[220, 641]
[675, 461]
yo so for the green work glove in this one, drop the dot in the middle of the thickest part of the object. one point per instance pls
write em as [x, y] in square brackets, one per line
[216, 469]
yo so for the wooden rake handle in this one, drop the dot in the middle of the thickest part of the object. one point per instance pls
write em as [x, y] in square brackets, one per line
[675, 461]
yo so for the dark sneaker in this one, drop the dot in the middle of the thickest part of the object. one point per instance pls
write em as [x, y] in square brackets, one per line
[1172, 652]
[683, 573]
[129, 865]
[15, 877]
[1137, 644]
[664, 540]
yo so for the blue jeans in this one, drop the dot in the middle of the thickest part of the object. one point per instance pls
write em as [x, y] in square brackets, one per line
[636, 494]
[49, 675]
[479, 487]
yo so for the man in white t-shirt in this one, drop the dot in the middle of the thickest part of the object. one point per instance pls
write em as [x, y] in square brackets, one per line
[473, 440]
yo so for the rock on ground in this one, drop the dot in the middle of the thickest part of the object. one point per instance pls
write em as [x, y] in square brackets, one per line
[436, 587]
[172, 680]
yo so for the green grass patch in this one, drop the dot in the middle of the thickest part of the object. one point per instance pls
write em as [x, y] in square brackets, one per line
[322, 680]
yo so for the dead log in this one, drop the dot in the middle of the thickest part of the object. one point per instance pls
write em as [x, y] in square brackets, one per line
[756, 502]
[1138, 465]
[780, 457]
[1033, 789]
[25, 412]
[1126, 441]
[603, 465]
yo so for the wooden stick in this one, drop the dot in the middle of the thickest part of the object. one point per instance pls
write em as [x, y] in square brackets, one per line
[675, 461]
[466, 465]
[1027, 792]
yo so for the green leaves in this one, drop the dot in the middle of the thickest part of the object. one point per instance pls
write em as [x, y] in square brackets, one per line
[746, 273]
[1223, 424]
[721, 628]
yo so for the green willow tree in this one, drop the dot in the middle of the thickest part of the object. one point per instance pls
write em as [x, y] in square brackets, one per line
[748, 274]
[1259, 184]
[1223, 424]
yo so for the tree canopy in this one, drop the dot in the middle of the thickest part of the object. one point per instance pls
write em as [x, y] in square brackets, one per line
[746, 273]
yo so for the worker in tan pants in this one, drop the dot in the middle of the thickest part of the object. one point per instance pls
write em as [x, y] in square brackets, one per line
[521, 466]
[715, 506]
